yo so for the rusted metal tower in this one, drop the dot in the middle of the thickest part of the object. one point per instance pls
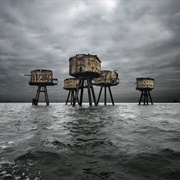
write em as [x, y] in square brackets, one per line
[145, 85]
[42, 78]
[85, 67]
[71, 84]
[106, 80]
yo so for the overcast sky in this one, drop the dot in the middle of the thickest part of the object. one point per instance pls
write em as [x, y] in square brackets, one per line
[139, 38]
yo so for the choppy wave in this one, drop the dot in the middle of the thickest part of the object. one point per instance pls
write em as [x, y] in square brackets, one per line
[163, 164]
[125, 141]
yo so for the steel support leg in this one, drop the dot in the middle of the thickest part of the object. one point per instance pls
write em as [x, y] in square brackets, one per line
[111, 96]
[104, 95]
[89, 92]
[46, 95]
[150, 97]
[99, 95]
[141, 97]
[67, 100]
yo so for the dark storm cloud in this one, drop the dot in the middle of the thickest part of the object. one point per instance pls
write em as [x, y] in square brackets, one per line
[137, 38]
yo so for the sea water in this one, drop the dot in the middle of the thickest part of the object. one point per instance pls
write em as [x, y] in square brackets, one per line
[125, 141]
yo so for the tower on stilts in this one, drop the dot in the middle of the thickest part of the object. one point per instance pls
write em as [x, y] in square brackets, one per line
[71, 84]
[42, 78]
[145, 85]
[106, 80]
[85, 67]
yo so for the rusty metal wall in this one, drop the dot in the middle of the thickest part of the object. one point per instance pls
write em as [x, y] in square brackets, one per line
[145, 84]
[41, 76]
[72, 66]
[71, 83]
[84, 63]
[107, 77]
[92, 65]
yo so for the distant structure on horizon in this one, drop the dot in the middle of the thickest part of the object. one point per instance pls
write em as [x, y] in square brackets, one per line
[85, 67]
[145, 85]
[106, 80]
[41, 78]
[71, 84]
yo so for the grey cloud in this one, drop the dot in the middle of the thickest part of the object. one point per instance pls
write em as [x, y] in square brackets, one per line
[136, 38]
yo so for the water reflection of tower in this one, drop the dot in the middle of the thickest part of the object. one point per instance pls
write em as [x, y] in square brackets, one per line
[71, 84]
[42, 78]
[86, 130]
[145, 85]
[85, 68]
[106, 80]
